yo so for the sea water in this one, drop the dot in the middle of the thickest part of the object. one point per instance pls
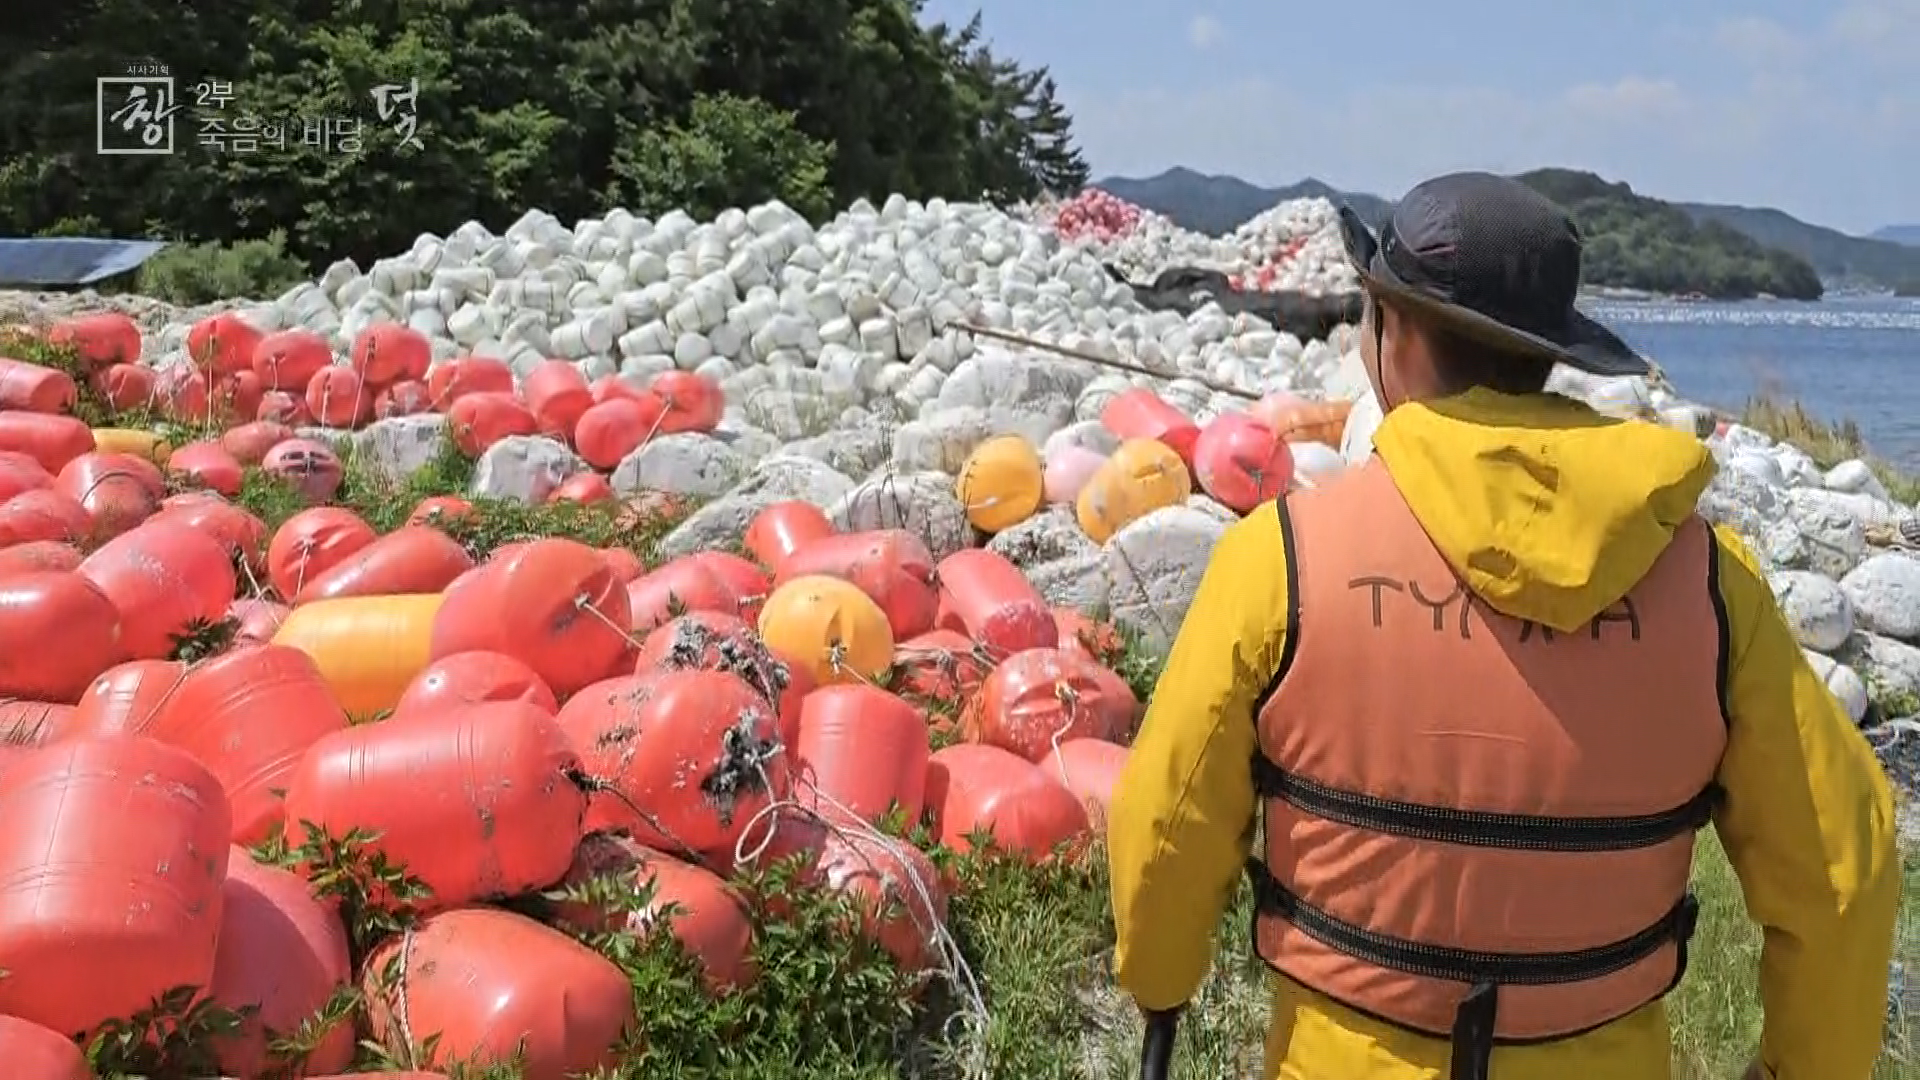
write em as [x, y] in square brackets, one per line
[1850, 358]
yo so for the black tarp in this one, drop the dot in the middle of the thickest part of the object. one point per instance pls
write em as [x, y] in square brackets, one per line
[69, 260]
[1187, 289]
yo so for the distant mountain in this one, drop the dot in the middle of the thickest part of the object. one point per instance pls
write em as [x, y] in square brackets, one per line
[1836, 255]
[1633, 241]
[1219, 204]
[1898, 234]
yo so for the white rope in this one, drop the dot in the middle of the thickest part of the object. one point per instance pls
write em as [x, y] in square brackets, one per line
[950, 961]
[849, 826]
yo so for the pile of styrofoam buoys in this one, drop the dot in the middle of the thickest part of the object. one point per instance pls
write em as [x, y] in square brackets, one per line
[1098, 216]
[845, 384]
[1295, 246]
[1149, 243]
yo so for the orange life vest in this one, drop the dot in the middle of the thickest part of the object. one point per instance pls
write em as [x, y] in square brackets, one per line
[1475, 827]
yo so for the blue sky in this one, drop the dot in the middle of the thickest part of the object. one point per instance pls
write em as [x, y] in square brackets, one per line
[1810, 106]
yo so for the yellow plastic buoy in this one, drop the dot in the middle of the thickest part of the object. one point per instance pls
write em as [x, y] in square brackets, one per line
[829, 627]
[1142, 476]
[368, 648]
[1002, 483]
[141, 444]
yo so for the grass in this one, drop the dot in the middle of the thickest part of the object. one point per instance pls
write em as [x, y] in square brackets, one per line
[1828, 444]
[1037, 941]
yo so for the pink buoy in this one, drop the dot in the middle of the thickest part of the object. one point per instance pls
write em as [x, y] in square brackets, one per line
[1068, 470]
[1141, 414]
[310, 466]
[1241, 462]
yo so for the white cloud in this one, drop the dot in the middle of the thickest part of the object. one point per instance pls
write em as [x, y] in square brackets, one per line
[1204, 31]
[1886, 31]
[1632, 98]
[1758, 41]
[1882, 31]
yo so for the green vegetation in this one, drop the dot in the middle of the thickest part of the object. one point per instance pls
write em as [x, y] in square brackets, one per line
[203, 273]
[1907, 288]
[1837, 256]
[1828, 444]
[571, 108]
[1637, 242]
[1036, 941]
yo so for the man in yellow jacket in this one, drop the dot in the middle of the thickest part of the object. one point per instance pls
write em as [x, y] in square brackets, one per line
[1467, 704]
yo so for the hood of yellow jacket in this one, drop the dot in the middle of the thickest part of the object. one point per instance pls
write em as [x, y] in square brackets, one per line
[1548, 510]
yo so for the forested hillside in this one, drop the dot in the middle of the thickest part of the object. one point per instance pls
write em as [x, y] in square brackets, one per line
[1638, 242]
[570, 107]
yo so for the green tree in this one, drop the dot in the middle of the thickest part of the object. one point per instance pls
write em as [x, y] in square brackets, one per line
[1636, 242]
[570, 108]
[732, 151]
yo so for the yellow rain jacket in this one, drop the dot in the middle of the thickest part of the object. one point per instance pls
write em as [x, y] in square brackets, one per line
[1808, 820]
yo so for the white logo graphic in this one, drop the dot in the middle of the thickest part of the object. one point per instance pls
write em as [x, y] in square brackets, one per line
[134, 114]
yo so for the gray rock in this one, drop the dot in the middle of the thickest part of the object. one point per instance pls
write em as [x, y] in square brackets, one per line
[1741, 437]
[1048, 536]
[790, 476]
[1758, 464]
[339, 438]
[684, 464]
[997, 377]
[942, 441]
[395, 449]
[1093, 400]
[1797, 467]
[922, 503]
[1845, 683]
[1862, 507]
[789, 414]
[1856, 477]
[1211, 508]
[1816, 607]
[748, 441]
[1156, 563]
[720, 525]
[1782, 547]
[525, 468]
[1835, 538]
[1891, 669]
[1885, 592]
[1742, 501]
[856, 452]
[1080, 582]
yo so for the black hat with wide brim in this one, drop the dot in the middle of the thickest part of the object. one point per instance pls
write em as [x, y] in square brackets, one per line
[1488, 259]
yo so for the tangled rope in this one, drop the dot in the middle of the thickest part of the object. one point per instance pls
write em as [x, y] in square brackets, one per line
[848, 826]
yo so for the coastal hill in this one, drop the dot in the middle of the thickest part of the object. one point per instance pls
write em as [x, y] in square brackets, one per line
[1633, 241]
[1840, 258]
[1218, 204]
[1898, 234]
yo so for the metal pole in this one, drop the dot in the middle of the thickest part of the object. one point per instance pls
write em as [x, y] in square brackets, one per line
[1076, 354]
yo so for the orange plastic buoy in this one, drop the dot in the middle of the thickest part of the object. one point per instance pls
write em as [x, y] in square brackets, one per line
[1242, 462]
[138, 831]
[289, 359]
[1001, 484]
[782, 528]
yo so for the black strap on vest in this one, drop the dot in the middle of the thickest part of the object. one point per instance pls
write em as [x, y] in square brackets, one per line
[1479, 828]
[1475, 1018]
[1484, 973]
